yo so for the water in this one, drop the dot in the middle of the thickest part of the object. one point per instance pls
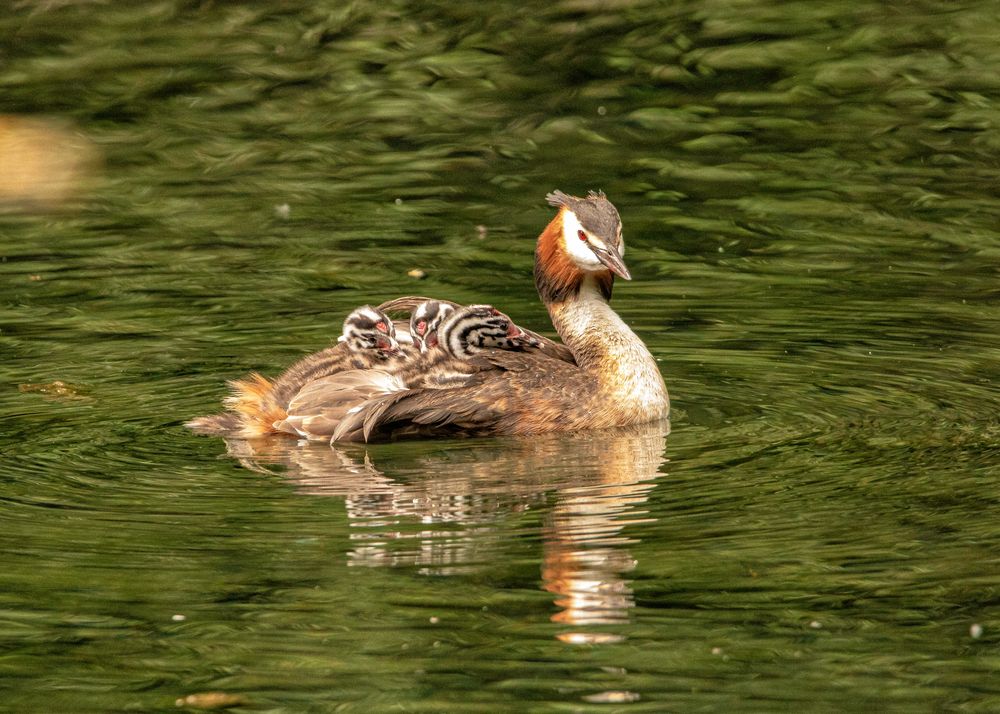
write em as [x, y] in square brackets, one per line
[809, 198]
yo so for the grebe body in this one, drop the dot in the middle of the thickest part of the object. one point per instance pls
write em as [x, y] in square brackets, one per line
[495, 378]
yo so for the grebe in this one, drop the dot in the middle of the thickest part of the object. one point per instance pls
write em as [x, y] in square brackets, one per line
[614, 381]
[468, 332]
[368, 339]
[425, 321]
[321, 406]
[601, 376]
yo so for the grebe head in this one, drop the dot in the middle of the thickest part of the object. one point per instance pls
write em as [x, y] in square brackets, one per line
[591, 232]
[475, 328]
[368, 328]
[425, 321]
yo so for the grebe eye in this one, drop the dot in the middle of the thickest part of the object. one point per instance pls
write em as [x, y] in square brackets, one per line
[582, 236]
[382, 327]
[421, 327]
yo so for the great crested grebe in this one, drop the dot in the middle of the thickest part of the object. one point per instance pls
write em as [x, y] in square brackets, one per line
[602, 376]
[614, 381]
[320, 406]
[368, 339]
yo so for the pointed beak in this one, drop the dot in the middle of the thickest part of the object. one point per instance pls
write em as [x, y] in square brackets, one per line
[613, 261]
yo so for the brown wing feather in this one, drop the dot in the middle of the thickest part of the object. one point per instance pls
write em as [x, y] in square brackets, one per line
[551, 348]
[508, 393]
[319, 408]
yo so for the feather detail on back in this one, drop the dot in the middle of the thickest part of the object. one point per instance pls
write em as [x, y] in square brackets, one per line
[409, 303]
[505, 393]
[320, 407]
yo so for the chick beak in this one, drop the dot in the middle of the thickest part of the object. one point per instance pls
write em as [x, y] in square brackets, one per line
[612, 260]
[389, 346]
[520, 337]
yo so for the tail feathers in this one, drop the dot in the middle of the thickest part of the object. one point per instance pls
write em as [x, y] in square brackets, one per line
[253, 400]
[320, 409]
[252, 411]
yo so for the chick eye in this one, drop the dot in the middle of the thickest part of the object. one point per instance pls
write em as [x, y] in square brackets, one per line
[582, 236]
[421, 327]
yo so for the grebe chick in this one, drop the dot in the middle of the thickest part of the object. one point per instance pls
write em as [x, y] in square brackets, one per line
[425, 321]
[614, 381]
[467, 333]
[368, 339]
[412, 303]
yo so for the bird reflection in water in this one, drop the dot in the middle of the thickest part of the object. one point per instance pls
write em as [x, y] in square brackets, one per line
[445, 510]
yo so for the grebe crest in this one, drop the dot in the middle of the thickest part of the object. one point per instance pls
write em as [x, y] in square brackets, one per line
[368, 328]
[473, 329]
[425, 321]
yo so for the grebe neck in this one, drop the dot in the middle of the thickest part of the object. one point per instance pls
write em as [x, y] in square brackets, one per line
[603, 345]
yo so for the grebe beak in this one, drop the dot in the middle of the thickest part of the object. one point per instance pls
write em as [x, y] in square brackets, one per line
[612, 260]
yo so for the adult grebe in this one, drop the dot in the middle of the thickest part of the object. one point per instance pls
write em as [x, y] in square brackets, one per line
[614, 381]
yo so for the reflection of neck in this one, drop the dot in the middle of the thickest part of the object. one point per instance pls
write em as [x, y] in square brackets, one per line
[585, 561]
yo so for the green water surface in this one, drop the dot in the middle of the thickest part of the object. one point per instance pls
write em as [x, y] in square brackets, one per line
[809, 192]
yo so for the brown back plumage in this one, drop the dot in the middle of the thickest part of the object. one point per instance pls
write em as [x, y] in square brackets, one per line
[508, 393]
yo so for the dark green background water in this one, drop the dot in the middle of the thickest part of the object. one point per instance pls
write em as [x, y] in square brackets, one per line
[810, 198]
